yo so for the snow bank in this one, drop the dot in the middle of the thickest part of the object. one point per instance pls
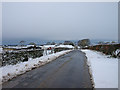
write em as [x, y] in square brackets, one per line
[10, 71]
[104, 70]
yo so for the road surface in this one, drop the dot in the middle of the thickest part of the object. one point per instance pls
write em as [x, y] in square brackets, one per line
[68, 71]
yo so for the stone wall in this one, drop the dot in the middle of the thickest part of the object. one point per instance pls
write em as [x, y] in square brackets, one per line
[60, 49]
[111, 49]
[19, 56]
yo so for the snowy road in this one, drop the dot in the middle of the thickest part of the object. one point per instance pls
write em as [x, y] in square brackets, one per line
[68, 71]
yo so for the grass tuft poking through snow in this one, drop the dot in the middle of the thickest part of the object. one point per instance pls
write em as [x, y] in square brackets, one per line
[10, 71]
[103, 68]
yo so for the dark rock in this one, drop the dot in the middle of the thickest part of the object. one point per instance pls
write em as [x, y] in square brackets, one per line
[68, 43]
[84, 42]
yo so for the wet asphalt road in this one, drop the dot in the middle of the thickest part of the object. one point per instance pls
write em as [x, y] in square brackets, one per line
[68, 71]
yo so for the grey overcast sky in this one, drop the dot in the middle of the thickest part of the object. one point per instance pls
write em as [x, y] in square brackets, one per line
[60, 21]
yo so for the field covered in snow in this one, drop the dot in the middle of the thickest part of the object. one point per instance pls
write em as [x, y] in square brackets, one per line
[103, 68]
[10, 71]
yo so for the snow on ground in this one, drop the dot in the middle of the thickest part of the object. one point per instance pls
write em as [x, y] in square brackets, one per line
[47, 46]
[20, 47]
[65, 46]
[17, 47]
[10, 71]
[104, 70]
[43, 47]
[1, 49]
[59, 46]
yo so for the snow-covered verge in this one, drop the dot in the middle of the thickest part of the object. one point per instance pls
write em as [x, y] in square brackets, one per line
[104, 70]
[10, 71]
